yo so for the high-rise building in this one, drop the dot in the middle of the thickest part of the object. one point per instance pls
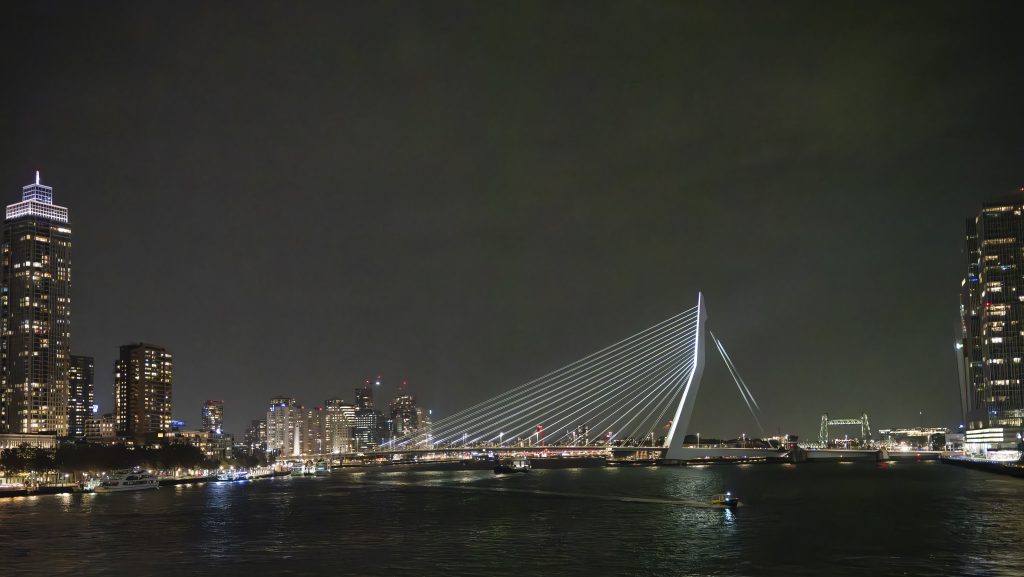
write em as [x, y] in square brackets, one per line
[425, 434]
[364, 394]
[80, 401]
[404, 418]
[990, 350]
[314, 434]
[284, 427]
[256, 435]
[36, 310]
[368, 432]
[143, 378]
[339, 420]
[370, 425]
[213, 416]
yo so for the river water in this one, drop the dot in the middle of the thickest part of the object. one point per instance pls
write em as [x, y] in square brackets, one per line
[810, 519]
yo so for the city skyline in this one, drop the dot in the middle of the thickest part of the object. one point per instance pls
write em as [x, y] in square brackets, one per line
[673, 287]
[469, 237]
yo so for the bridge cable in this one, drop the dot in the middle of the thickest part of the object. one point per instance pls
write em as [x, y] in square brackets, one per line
[576, 372]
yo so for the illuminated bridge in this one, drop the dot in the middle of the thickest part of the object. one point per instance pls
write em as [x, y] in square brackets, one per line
[637, 393]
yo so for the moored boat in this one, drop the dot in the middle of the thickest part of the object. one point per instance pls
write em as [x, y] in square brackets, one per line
[233, 475]
[133, 480]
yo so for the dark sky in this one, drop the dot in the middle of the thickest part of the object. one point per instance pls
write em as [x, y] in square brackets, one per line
[292, 196]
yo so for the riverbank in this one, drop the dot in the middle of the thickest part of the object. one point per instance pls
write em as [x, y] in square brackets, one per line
[1014, 469]
[23, 490]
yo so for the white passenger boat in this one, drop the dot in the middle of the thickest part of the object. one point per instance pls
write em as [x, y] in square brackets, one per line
[233, 475]
[135, 480]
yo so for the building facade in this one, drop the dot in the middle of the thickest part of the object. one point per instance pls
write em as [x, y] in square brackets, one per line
[143, 382]
[256, 435]
[101, 428]
[990, 348]
[284, 427]
[404, 417]
[213, 416]
[368, 432]
[36, 314]
[82, 393]
[313, 433]
[339, 420]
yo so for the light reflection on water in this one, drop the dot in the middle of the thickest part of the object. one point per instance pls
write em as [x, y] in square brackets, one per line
[813, 519]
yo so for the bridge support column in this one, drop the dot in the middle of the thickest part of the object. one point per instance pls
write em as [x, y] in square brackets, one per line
[681, 419]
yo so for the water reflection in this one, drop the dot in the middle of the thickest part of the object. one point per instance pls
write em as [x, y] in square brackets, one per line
[547, 522]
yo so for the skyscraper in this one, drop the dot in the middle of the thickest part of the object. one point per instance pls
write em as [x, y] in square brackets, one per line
[313, 432]
[991, 344]
[143, 377]
[369, 430]
[364, 394]
[80, 380]
[36, 311]
[284, 427]
[213, 416]
[339, 420]
[256, 435]
[404, 417]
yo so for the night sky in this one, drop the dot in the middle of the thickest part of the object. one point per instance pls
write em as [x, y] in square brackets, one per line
[295, 196]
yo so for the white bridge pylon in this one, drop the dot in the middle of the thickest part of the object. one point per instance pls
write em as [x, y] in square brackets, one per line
[684, 410]
[634, 392]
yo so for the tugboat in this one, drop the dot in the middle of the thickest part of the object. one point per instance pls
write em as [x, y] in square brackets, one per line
[134, 480]
[727, 500]
[516, 465]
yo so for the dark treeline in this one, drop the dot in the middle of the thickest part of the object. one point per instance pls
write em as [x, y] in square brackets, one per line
[73, 458]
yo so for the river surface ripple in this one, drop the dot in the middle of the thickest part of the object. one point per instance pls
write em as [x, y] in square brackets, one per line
[812, 519]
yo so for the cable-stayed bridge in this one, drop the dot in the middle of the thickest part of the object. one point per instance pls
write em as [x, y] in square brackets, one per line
[638, 392]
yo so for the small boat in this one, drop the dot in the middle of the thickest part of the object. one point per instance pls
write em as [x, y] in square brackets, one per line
[726, 500]
[516, 465]
[133, 480]
[322, 469]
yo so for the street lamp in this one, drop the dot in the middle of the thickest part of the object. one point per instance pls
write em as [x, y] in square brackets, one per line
[698, 440]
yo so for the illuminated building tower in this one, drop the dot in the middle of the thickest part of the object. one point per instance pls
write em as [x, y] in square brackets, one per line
[80, 401]
[143, 377]
[284, 427]
[991, 345]
[339, 419]
[213, 416]
[404, 418]
[256, 435]
[370, 425]
[368, 429]
[313, 433]
[364, 394]
[425, 433]
[36, 311]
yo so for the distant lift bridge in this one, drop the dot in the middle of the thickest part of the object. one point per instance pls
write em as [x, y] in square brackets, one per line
[826, 422]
